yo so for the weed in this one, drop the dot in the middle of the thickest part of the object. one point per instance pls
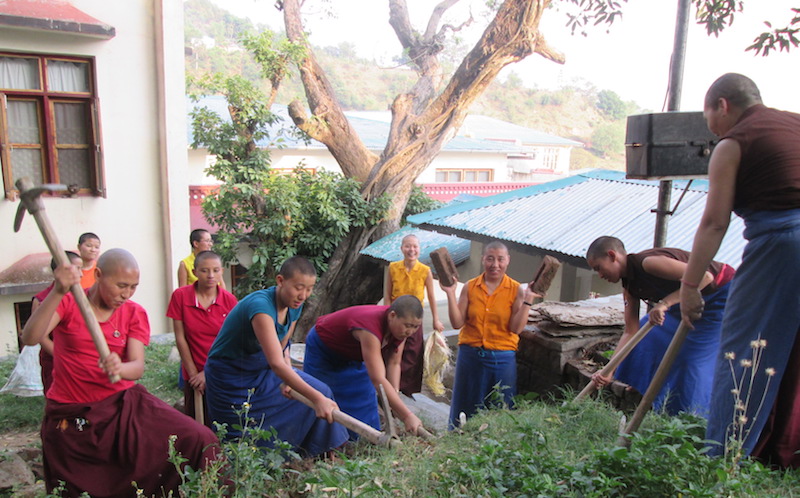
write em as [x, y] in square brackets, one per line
[249, 465]
[742, 392]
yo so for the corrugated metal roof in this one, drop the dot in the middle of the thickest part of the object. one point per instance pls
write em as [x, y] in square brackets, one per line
[487, 128]
[388, 248]
[565, 216]
[373, 133]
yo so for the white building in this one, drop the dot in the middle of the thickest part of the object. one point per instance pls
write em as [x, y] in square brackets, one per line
[486, 157]
[93, 97]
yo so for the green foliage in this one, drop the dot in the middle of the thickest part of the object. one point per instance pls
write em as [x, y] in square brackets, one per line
[160, 375]
[16, 412]
[278, 216]
[419, 202]
[609, 138]
[250, 465]
[609, 103]
[274, 216]
[716, 15]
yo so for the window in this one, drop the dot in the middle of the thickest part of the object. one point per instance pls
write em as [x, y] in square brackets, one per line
[550, 158]
[48, 123]
[463, 175]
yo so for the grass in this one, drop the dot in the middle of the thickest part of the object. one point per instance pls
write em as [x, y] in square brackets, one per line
[539, 449]
[25, 413]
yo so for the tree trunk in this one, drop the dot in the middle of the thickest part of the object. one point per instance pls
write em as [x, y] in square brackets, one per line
[422, 122]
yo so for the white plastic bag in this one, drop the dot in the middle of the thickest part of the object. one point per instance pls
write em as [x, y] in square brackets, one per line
[26, 378]
[436, 359]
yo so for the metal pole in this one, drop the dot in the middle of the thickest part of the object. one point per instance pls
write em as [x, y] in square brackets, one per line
[673, 104]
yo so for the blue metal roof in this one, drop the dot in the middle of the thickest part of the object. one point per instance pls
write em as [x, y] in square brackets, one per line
[373, 133]
[388, 248]
[565, 216]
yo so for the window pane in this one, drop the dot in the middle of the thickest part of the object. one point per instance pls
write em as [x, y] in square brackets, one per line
[71, 123]
[440, 176]
[469, 176]
[19, 73]
[483, 176]
[26, 162]
[67, 76]
[23, 122]
[73, 167]
[453, 176]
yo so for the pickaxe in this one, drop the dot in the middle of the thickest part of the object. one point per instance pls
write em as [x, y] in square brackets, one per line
[369, 433]
[655, 385]
[30, 200]
[614, 362]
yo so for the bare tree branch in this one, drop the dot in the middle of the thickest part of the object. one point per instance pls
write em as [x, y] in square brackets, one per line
[329, 125]
[436, 17]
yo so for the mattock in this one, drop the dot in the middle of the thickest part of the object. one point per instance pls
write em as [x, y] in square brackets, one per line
[30, 200]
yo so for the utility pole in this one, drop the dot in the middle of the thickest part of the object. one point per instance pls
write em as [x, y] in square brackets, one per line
[673, 104]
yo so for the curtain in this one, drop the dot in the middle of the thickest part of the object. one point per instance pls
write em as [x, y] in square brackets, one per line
[19, 73]
[67, 76]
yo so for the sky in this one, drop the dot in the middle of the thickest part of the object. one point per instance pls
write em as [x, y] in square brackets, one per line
[631, 57]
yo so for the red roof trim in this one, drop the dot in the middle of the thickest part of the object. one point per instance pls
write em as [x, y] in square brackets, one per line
[52, 15]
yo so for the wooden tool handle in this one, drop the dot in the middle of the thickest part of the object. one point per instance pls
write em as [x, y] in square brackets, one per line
[655, 385]
[615, 360]
[60, 256]
[368, 432]
[199, 415]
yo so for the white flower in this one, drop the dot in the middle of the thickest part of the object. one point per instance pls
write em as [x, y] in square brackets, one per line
[762, 343]
[769, 371]
[735, 392]
[730, 355]
[746, 363]
[742, 419]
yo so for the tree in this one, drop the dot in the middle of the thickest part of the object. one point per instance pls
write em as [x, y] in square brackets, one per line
[609, 103]
[719, 14]
[423, 119]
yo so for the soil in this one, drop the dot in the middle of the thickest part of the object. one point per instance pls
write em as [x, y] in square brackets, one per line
[15, 440]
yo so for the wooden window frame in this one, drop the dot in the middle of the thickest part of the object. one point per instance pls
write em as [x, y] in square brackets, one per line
[462, 173]
[46, 100]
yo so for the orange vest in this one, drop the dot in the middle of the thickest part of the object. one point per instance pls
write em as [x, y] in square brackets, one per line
[488, 315]
[408, 282]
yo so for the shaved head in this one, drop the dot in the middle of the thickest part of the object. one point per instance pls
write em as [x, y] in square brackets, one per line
[116, 259]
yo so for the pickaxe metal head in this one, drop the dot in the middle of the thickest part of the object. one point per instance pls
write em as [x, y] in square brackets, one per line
[30, 198]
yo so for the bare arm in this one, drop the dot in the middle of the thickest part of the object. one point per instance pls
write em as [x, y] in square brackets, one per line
[133, 368]
[183, 274]
[631, 315]
[44, 319]
[267, 336]
[196, 378]
[387, 287]
[668, 269]
[437, 325]
[722, 171]
[520, 310]
[46, 342]
[456, 308]
[371, 351]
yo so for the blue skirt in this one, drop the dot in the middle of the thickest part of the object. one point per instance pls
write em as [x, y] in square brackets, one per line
[688, 384]
[478, 371]
[228, 387]
[348, 380]
[764, 303]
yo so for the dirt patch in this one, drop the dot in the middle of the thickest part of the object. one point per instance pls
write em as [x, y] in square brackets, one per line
[15, 440]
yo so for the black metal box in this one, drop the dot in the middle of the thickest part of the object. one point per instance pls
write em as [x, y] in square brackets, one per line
[668, 145]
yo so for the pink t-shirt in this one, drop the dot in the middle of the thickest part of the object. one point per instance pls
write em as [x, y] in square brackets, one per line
[336, 329]
[77, 378]
[200, 325]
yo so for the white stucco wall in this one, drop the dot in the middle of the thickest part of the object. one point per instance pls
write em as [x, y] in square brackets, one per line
[144, 145]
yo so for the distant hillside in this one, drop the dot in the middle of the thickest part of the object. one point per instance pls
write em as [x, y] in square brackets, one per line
[595, 118]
